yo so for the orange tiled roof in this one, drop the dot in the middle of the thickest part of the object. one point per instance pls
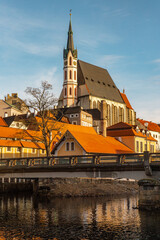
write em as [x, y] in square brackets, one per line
[26, 144]
[3, 123]
[7, 132]
[91, 142]
[151, 125]
[41, 145]
[128, 132]
[10, 143]
[125, 99]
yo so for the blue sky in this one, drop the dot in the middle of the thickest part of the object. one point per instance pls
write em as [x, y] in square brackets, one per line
[122, 36]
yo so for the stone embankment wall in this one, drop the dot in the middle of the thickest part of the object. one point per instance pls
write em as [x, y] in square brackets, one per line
[87, 187]
[16, 187]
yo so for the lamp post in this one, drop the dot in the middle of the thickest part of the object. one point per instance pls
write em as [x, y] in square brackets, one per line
[146, 125]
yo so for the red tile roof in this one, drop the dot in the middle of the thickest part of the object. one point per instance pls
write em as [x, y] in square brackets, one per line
[151, 125]
[125, 99]
[120, 125]
[128, 132]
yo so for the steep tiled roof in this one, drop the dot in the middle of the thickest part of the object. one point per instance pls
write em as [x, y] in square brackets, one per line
[127, 132]
[151, 125]
[120, 125]
[125, 99]
[91, 142]
[98, 81]
[3, 123]
[94, 143]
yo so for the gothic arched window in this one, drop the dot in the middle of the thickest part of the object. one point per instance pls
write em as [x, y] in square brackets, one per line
[70, 74]
[70, 91]
[65, 75]
[70, 61]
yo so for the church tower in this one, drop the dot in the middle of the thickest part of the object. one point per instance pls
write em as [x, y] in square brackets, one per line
[69, 91]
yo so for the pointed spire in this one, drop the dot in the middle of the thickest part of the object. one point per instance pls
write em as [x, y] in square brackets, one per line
[70, 44]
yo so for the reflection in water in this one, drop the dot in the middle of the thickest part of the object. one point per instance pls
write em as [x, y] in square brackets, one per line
[21, 217]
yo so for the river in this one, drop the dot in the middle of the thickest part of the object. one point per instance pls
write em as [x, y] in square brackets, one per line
[23, 217]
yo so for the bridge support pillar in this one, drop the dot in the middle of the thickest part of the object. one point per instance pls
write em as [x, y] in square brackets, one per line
[147, 168]
[35, 186]
[149, 194]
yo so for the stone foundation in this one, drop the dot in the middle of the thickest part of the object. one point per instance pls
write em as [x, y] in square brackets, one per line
[149, 194]
[86, 187]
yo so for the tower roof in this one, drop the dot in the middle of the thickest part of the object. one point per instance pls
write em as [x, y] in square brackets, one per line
[70, 44]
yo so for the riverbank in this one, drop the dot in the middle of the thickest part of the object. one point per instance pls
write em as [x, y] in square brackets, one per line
[88, 187]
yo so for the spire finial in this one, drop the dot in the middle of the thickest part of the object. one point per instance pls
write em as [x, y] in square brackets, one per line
[70, 13]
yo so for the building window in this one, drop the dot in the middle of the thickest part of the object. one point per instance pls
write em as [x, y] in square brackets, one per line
[70, 74]
[18, 149]
[137, 146]
[141, 146]
[70, 91]
[67, 146]
[72, 146]
[65, 75]
[74, 122]
[65, 91]
[94, 104]
[75, 75]
[5, 114]
[8, 149]
[70, 61]
[33, 150]
[75, 91]
[43, 151]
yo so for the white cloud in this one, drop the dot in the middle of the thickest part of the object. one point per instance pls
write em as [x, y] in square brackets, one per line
[22, 82]
[36, 49]
[107, 61]
[156, 60]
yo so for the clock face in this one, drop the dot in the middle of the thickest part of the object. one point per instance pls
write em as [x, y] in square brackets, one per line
[74, 63]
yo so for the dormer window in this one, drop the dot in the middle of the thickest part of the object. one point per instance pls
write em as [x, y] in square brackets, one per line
[137, 129]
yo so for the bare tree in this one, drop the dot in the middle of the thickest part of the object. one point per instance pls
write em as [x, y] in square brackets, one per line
[42, 101]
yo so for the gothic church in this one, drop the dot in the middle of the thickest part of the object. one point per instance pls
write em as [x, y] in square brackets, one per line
[92, 89]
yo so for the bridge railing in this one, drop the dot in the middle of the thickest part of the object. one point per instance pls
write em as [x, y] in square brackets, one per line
[154, 157]
[102, 159]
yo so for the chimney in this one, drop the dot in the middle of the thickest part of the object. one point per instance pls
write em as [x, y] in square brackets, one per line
[123, 90]
[103, 118]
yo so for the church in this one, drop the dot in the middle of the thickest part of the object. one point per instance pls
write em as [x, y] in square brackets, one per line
[90, 89]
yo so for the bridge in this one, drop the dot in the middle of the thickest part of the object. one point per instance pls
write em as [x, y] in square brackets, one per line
[131, 166]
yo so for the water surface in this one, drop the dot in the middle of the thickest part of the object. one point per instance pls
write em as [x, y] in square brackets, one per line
[23, 217]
